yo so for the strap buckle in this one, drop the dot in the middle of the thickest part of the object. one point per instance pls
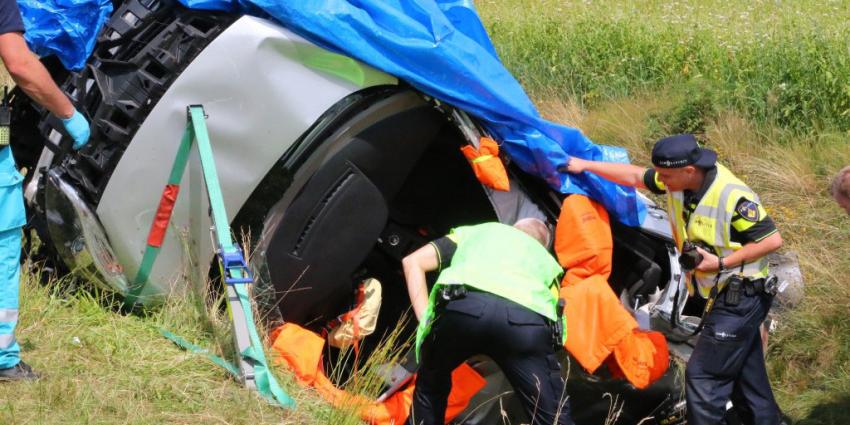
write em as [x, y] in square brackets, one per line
[232, 262]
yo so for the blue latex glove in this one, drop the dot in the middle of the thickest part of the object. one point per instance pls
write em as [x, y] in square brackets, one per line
[78, 128]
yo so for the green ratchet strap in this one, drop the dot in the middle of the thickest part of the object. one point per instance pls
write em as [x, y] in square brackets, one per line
[188, 346]
[152, 251]
[252, 368]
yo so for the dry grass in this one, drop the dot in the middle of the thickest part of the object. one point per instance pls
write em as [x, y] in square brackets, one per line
[104, 367]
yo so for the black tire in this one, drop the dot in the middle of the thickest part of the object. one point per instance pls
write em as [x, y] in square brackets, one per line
[141, 51]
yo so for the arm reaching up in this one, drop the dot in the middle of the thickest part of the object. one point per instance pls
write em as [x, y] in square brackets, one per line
[624, 174]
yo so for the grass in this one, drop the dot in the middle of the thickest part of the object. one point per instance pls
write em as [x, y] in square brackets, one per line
[100, 366]
[783, 63]
[104, 367]
[766, 84]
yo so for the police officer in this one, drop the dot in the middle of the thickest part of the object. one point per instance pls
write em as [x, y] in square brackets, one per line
[31, 76]
[711, 208]
[496, 294]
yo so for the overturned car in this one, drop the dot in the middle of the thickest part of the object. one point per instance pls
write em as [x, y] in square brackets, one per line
[336, 170]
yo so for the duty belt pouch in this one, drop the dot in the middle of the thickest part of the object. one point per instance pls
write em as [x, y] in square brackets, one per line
[5, 118]
[772, 286]
[557, 328]
[734, 286]
[750, 289]
[452, 292]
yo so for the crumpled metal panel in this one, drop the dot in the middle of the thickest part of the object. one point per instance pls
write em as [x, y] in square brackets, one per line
[260, 97]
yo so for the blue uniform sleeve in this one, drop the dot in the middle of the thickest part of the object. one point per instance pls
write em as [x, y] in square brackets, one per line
[10, 17]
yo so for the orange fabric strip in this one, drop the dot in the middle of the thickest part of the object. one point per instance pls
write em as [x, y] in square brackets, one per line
[163, 215]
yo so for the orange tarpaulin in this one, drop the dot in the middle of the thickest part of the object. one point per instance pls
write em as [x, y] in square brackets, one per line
[487, 165]
[300, 351]
[634, 351]
[583, 239]
[597, 323]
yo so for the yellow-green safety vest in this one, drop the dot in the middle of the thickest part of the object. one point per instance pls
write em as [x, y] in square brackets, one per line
[710, 224]
[504, 261]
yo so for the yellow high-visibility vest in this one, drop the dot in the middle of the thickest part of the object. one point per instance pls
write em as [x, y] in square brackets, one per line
[710, 224]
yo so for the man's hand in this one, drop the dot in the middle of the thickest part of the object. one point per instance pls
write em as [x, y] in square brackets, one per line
[78, 128]
[575, 165]
[624, 174]
[749, 252]
[709, 263]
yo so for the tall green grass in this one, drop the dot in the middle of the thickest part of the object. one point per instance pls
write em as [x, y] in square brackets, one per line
[785, 63]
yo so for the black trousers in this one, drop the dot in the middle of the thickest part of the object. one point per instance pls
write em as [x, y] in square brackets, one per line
[728, 364]
[516, 338]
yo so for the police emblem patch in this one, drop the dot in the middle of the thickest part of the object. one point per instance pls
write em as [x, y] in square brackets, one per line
[749, 210]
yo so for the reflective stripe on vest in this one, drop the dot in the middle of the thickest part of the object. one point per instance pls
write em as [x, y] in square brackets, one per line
[501, 260]
[8, 314]
[6, 341]
[710, 224]
[8, 318]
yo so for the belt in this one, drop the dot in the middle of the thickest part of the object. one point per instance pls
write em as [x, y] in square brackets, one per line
[454, 292]
[754, 286]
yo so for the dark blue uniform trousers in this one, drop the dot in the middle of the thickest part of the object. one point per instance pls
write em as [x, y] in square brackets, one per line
[516, 338]
[728, 364]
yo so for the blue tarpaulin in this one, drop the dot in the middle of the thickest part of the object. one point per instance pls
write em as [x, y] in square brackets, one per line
[441, 48]
[65, 28]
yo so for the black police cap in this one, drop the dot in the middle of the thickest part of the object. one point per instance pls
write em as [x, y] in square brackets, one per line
[680, 151]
